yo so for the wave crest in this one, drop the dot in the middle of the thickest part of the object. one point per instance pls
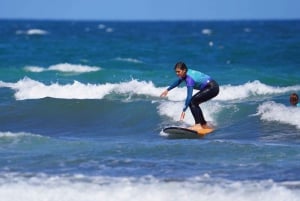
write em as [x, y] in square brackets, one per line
[272, 111]
[64, 67]
[31, 89]
[32, 32]
[251, 89]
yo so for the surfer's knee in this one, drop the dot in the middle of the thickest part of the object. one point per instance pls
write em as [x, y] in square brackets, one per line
[195, 102]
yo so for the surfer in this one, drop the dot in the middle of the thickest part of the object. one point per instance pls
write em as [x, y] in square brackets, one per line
[294, 100]
[208, 89]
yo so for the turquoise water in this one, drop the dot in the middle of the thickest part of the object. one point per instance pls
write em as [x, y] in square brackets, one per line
[81, 117]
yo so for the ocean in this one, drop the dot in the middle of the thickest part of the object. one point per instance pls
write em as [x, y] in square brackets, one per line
[81, 117]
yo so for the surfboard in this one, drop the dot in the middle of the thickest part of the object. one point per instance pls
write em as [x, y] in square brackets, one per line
[180, 132]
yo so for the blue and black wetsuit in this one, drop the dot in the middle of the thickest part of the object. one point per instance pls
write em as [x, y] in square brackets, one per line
[208, 89]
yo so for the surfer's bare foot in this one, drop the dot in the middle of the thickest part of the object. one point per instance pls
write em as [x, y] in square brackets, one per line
[196, 127]
[206, 126]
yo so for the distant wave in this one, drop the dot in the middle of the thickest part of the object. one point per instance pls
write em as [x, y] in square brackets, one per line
[64, 67]
[128, 60]
[104, 27]
[16, 135]
[272, 111]
[15, 138]
[206, 31]
[32, 32]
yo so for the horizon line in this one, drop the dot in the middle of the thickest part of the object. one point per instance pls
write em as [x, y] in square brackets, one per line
[150, 20]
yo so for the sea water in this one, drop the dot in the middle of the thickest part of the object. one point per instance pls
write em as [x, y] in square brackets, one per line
[81, 116]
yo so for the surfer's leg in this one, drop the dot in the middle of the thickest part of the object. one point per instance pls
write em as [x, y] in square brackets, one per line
[206, 94]
[197, 112]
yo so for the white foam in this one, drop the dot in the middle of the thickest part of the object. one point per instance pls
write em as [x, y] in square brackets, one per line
[36, 32]
[83, 188]
[173, 110]
[32, 32]
[8, 134]
[131, 60]
[31, 89]
[176, 97]
[14, 138]
[206, 31]
[170, 106]
[35, 69]
[251, 89]
[272, 111]
[64, 67]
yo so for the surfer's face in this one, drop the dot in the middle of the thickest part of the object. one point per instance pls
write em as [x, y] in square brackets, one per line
[180, 73]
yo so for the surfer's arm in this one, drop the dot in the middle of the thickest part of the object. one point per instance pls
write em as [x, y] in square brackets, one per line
[172, 86]
[188, 97]
[175, 84]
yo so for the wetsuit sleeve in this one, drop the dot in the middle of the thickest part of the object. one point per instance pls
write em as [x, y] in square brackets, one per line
[188, 97]
[175, 84]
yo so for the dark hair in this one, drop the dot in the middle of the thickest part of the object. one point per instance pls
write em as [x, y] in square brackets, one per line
[180, 65]
[294, 99]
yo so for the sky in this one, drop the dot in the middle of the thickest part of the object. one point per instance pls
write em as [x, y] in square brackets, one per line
[150, 9]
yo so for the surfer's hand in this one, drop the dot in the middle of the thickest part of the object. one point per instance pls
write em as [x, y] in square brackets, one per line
[182, 116]
[165, 93]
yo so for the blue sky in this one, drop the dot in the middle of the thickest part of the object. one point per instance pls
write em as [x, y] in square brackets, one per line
[150, 9]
